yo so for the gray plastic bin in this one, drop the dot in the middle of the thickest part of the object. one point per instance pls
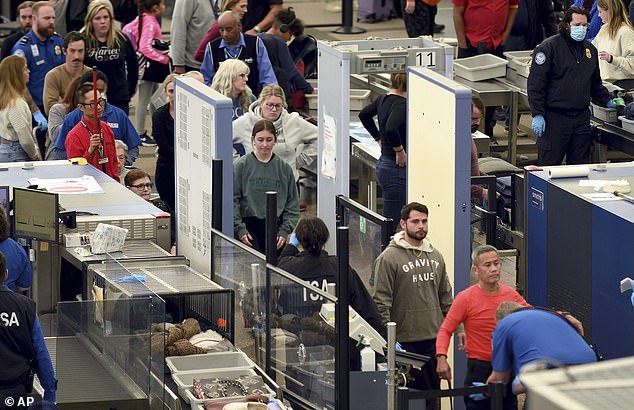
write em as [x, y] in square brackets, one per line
[479, 68]
[603, 113]
[185, 380]
[209, 361]
[520, 61]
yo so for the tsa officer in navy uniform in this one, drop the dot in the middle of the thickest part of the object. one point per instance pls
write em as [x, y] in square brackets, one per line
[42, 48]
[563, 79]
[22, 348]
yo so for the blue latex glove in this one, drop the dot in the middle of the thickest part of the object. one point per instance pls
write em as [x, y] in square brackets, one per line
[539, 125]
[615, 102]
[398, 347]
[294, 241]
[130, 279]
[515, 384]
[42, 124]
[479, 396]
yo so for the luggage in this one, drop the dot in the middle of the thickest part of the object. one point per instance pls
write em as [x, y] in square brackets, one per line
[374, 10]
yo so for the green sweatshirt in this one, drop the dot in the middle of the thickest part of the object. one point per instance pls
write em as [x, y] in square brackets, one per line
[251, 180]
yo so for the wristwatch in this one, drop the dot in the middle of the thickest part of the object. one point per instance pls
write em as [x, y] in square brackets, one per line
[257, 29]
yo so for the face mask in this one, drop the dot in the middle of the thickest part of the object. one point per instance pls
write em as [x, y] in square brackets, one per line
[578, 33]
[474, 128]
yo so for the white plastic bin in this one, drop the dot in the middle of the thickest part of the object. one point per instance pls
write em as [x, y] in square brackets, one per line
[209, 361]
[358, 99]
[479, 68]
[603, 113]
[194, 402]
[627, 125]
[185, 380]
[520, 61]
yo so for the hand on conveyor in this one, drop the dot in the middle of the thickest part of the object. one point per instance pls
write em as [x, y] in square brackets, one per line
[539, 125]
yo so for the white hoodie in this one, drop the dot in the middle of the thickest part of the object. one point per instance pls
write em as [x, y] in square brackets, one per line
[296, 137]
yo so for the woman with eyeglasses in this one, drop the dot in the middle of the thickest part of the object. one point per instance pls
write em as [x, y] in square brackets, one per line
[92, 138]
[296, 137]
[163, 132]
[231, 81]
[16, 141]
[255, 174]
[138, 181]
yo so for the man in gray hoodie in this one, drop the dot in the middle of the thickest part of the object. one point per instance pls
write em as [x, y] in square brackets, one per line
[413, 290]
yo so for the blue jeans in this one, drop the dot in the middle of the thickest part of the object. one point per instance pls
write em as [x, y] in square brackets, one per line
[393, 181]
[12, 152]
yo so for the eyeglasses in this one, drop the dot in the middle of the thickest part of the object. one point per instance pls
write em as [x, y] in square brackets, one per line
[273, 107]
[143, 186]
[101, 102]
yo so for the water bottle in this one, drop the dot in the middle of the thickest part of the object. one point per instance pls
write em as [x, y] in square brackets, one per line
[368, 361]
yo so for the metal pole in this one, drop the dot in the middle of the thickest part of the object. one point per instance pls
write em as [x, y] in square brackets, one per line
[271, 227]
[216, 194]
[391, 365]
[496, 390]
[372, 196]
[271, 257]
[346, 20]
[342, 370]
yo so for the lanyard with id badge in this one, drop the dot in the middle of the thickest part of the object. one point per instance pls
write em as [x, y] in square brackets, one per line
[100, 149]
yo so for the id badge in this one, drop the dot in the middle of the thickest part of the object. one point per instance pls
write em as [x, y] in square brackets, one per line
[103, 161]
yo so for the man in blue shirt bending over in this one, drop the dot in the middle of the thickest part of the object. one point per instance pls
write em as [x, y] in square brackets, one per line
[524, 335]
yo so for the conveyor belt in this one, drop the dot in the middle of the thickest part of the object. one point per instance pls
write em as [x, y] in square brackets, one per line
[81, 377]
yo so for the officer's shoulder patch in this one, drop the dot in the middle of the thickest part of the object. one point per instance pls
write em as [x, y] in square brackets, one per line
[540, 58]
[25, 40]
[19, 52]
[588, 53]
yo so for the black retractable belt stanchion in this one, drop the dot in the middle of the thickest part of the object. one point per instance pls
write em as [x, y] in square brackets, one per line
[346, 20]
[216, 194]
[342, 369]
[271, 257]
[216, 207]
[495, 390]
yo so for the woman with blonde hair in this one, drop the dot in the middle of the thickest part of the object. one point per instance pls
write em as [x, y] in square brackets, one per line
[615, 44]
[163, 132]
[108, 49]
[231, 81]
[16, 140]
[237, 6]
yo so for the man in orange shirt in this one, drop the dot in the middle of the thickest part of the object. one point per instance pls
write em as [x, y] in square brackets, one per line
[96, 144]
[475, 307]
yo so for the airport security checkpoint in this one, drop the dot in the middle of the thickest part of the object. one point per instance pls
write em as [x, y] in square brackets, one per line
[457, 231]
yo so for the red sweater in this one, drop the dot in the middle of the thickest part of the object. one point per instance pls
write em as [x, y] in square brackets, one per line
[78, 141]
[476, 309]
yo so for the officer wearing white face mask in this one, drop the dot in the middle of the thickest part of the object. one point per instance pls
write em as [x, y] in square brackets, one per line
[564, 77]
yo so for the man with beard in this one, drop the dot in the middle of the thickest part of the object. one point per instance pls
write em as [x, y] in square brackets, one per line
[58, 78]
[42, 49]
[413, 290]
[25, 15]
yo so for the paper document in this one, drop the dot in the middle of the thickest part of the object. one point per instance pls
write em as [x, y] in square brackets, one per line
[68, 186]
